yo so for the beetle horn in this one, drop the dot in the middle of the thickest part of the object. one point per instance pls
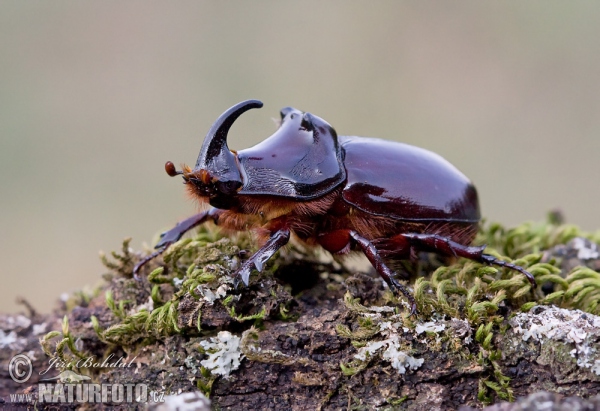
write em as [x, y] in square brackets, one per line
[285, 111]
[215, 142]
[307, 122]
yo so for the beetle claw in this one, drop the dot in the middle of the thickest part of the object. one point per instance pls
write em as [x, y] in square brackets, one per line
[398, 289]
[258, 264]
[235, 282]
[244, 274]
[246, 278]
[413, 309]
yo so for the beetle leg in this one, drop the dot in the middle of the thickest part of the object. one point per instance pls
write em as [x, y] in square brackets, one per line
[169, 237]
[384, 271]
[445, 246]
[277, 240]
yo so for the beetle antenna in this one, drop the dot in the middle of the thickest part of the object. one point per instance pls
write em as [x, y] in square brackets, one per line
[170, 169]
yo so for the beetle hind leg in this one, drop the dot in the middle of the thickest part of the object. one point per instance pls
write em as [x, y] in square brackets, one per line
[382, 269]
[444, 246]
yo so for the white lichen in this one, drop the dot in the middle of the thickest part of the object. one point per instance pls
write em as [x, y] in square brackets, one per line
[11, 341]
[381, 309]
[39, 328]
[390, 352]
[389, 349]
[13, 322]
[224, 353]
[596, 367]
[148, 306]
[586, 249]
[430, 326]
[366, 352]
[211, 296]
[400, 360]
[232, 263]
[191, 363]
[461, 329]
[568, 326]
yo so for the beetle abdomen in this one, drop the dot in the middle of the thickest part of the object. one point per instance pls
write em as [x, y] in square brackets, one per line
[404, 182]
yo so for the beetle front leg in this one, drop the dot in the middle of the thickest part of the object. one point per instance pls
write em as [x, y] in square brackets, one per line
[445, 246]
[382, 269]
[277, 240]
[174, 234]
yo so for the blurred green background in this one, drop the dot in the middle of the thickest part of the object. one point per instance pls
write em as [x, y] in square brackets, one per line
[96, 96]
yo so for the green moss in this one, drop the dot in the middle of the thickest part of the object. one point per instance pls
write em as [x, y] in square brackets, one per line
[467, 282]
[241, 318]
[151, 309]
[475, 292]
[353, 368]
[530, 237]
[122, 264]
[250, 347]
[205, 381]
[117, 309]
[397, 401]
[66, 340]
[190, 264]
[96, 325]
[361, 333]
[156, 276]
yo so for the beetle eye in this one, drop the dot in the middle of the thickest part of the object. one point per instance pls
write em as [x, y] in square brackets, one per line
[229, 187]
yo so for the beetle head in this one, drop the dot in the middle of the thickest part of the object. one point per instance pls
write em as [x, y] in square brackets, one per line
[216, 176]
[301, 160]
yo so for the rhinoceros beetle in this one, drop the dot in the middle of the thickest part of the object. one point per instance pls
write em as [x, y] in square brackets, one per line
[386, 199]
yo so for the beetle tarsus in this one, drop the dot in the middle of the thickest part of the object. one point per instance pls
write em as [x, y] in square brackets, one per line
[236, 282]
[174, 234]
[491, 260]
[244, 274]
[145, 260]
[397, 287]
[278, 239]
